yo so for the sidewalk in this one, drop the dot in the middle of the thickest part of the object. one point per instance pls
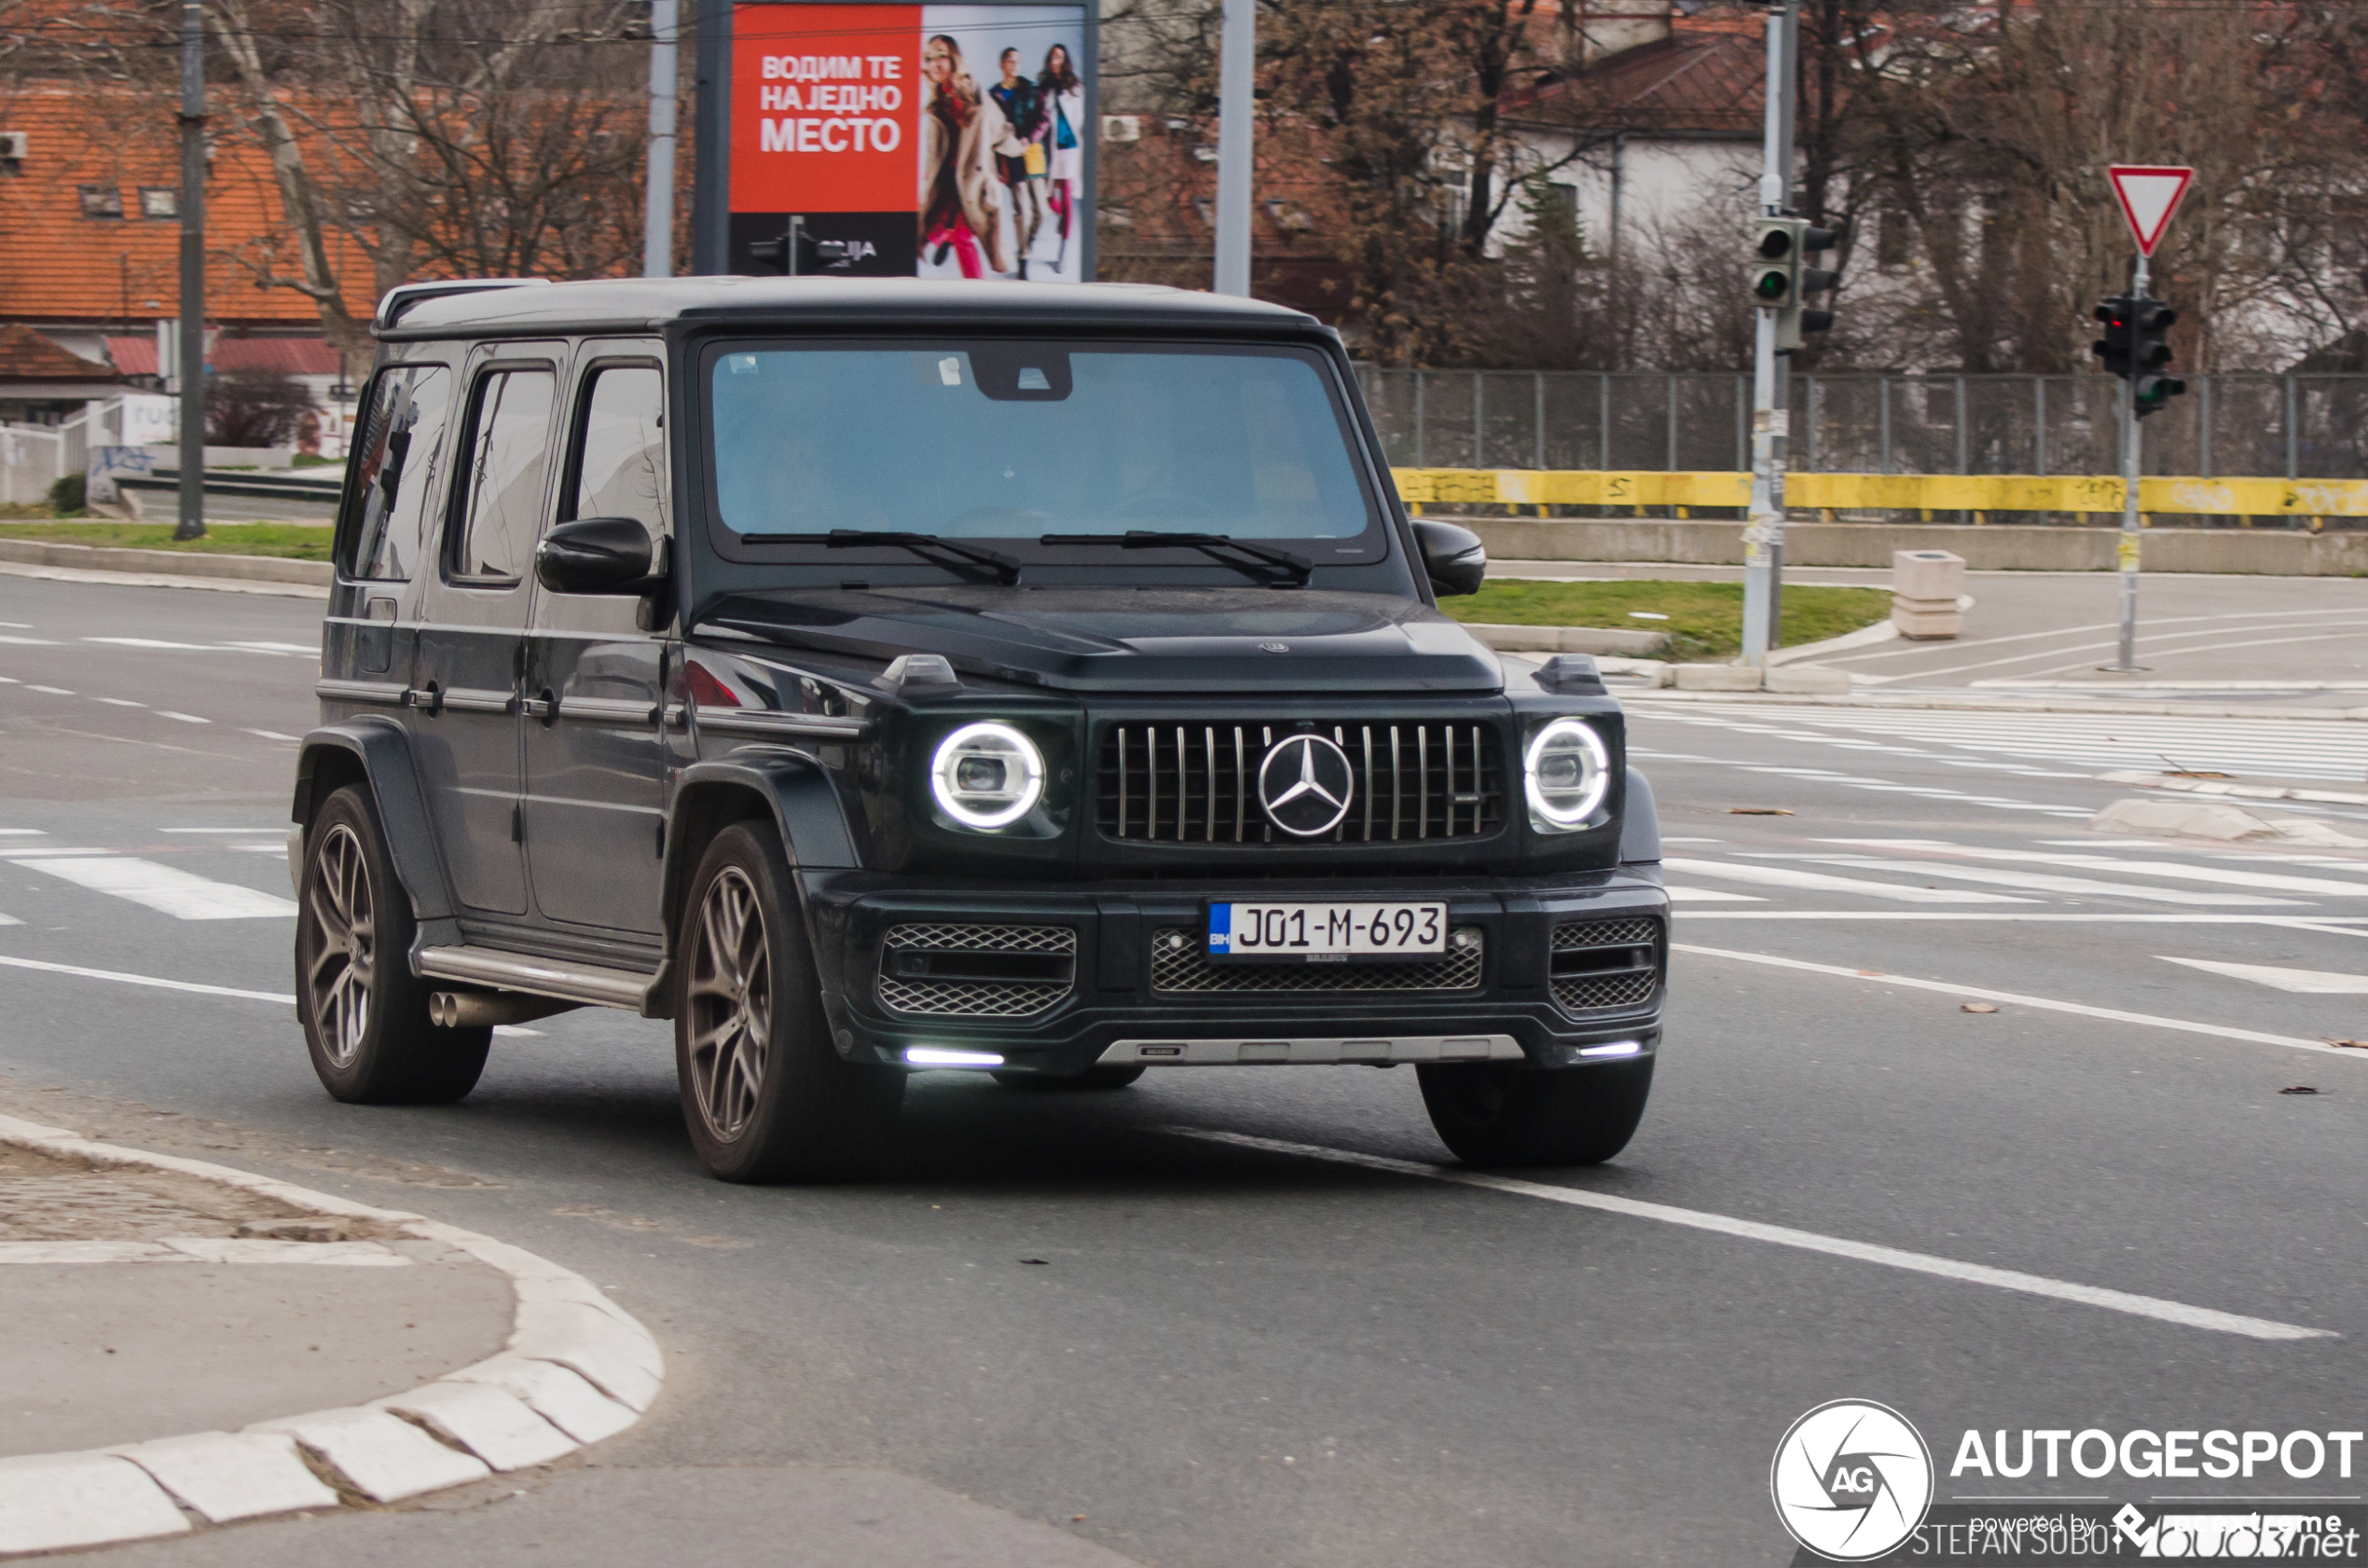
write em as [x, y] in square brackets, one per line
[184, 1345]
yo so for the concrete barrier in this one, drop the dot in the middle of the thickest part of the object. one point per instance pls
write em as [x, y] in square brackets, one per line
[1988, 547]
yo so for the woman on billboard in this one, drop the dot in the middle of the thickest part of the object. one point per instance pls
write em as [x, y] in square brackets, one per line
[1020, 160]
[1062, 96]
[959, 133]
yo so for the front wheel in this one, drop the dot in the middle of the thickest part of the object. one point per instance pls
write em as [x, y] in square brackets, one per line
[764, 1093]
[1496, 1113]
[364, 1013]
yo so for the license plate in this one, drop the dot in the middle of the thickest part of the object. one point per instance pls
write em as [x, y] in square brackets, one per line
[1321, 932]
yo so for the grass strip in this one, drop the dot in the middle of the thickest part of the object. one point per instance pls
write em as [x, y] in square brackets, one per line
[1704, 620]
[289, 540]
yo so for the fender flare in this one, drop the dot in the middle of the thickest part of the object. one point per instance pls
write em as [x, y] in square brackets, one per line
[799, 797]
[383, 752]
[1640, 824]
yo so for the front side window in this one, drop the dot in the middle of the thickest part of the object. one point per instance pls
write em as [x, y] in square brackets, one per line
[622, 470]
[395, 469]
[509, 448]
[1016, 440]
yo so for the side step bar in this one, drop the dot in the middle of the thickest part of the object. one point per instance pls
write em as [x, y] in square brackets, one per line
[588, 984]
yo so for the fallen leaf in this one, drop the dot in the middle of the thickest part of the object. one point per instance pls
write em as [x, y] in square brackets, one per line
[1076, 1519]
[2351, 1044]
[1039, 1262]
[1757, 811]
[2298, 1089]
[1980, 1007]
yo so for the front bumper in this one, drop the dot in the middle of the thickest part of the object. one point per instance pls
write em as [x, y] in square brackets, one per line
[1128, 992]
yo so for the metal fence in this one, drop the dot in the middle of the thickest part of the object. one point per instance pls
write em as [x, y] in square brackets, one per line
[2237, 425]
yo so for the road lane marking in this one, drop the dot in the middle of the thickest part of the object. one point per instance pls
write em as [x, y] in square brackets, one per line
[1705, 895]
[270, 734]
[2221, 875]
[167, 890]
[119, 702]
[1780, 876]
[2308, 983]
[1784, 1235]
[53, 690]
[268, 830]
[185, 718]
[2048, 1004]
[2040, 882]
[30, 641]
[157, 983]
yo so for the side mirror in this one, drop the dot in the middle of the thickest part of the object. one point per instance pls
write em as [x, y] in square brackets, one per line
[1454, 557]
[596, 556]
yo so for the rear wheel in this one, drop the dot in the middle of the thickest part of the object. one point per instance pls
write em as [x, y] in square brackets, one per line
[364, 1013]
[1091, 1078]
[1497, 1113]
[766, 1097]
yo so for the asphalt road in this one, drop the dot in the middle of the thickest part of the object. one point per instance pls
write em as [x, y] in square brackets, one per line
[1090, 1312]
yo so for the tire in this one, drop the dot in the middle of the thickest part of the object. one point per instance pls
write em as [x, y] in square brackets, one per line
[764, 1095]
[364, 1013]
[1492, 1113]
[1091, 1078]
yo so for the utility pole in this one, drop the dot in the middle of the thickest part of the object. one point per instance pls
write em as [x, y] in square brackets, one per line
[658, 221]
[192, 514]
[1764, 529]
[2126, 548]
[1238, 61]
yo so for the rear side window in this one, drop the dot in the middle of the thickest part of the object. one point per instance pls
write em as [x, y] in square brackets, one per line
[622, 470]
[509, 449]
[395, 468]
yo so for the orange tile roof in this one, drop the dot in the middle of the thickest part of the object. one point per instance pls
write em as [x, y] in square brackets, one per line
[25, 355]
[58, 266]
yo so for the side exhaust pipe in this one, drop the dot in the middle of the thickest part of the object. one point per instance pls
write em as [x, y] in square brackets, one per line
[473, 1009]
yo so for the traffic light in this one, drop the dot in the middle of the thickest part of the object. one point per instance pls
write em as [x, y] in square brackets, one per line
[2136, 348]
[799, 253]
[2150, 351]
[1781, 278]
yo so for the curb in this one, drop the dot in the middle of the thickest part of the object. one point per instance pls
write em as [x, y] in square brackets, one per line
[1970, 704]
[577, 1368]
[2231, 788]
[167, 563]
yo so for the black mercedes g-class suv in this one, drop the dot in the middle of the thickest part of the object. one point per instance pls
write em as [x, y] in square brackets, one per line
[883, 676]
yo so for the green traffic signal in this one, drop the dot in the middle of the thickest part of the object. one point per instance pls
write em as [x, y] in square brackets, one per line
[1772, 285]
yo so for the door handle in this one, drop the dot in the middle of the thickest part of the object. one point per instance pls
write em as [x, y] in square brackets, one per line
[545, 707]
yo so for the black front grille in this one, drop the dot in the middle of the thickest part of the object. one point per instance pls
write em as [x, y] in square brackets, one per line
[1196, 782]
[1601, 965]
[1179, 963]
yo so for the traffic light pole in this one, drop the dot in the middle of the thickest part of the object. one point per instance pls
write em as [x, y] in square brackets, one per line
[1764, 530]
[2125, 555]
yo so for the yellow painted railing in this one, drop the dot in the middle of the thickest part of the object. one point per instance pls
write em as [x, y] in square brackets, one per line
[1902, 492]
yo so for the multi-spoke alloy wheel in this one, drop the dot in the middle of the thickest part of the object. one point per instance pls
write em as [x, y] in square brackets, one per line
[766, 1096]
[364, 1013]
[731, 1006]
[338, 907]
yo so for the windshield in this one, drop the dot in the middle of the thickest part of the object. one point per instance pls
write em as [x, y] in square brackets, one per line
[1017, 440]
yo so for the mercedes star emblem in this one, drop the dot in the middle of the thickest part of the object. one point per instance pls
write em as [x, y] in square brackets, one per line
[1274, 646]
[1305, 785]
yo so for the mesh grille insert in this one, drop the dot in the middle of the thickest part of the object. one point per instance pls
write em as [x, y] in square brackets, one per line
[1178, 964]
[1627, 988]
[1623, 987]
[974, 999]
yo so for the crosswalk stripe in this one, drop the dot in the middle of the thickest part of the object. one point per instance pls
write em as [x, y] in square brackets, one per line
[2038, 882]
[2311, 982]
[1708, 895]
[2226, 876]
[1778, 876]
[167, 890]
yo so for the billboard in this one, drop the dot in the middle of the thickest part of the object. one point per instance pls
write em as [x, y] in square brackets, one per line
[901, 141]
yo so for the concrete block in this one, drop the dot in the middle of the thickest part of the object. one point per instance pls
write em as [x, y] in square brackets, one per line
[1652, 672]
[227, 1476]
[59, 1500]
[1927, 620]
[557, 1394]
[1807, 677]
[1927, 574]
[1718, 678]
[2181, 818]
[489, 1422]
[381, 1456]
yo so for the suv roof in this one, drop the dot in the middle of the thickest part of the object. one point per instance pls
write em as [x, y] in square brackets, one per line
[636, 304]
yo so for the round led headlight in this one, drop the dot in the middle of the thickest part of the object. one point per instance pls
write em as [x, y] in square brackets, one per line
[987, 775]
[1565, 772]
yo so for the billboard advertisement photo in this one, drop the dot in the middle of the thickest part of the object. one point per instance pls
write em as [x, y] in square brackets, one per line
[901, 141]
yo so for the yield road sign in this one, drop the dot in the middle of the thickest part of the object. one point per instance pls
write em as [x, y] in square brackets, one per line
[2149, 194]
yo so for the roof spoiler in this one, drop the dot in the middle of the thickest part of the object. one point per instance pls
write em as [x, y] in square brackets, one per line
[404, 295]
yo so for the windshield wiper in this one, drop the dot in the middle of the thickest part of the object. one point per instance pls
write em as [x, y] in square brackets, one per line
[1212, 545]
[1006, 569]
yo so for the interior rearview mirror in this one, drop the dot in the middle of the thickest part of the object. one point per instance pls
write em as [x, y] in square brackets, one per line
[597, 556]
[1454, 557]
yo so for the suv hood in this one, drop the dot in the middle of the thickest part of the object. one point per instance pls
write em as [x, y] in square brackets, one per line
[1134, 640]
